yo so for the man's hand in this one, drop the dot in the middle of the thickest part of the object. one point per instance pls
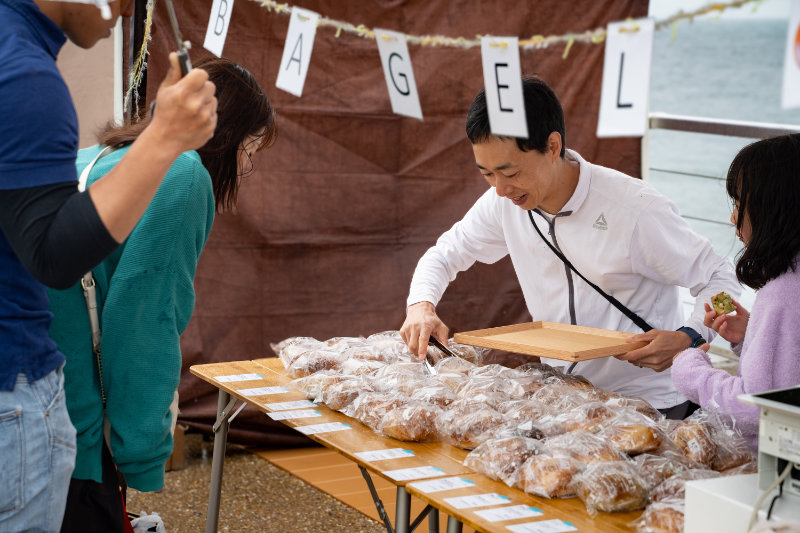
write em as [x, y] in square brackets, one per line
[730, 327]
[187, 109]
[422, 322]
[662, 348]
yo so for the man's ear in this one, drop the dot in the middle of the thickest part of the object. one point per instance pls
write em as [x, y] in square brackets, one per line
[554, 144]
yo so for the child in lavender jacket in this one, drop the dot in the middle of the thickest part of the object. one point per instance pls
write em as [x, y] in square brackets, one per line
[764, 183]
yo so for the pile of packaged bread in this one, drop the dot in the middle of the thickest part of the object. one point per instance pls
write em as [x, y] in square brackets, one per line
[532, 427]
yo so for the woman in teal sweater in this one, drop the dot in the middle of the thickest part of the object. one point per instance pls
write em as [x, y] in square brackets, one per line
[145, 298]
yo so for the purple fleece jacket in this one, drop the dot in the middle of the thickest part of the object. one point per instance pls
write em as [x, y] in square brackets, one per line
[769, 358]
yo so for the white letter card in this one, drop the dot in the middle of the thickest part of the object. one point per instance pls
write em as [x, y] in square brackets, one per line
[791, 64]
[399, 75]
[625, 93]
[297, 51]
[218, 23]
[503, 82]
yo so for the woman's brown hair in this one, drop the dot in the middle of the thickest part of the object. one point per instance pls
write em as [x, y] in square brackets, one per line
[242, 110]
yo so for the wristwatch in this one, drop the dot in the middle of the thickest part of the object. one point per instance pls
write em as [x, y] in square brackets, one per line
[696, 338]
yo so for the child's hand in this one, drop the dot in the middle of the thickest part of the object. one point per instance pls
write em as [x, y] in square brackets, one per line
[730, 327]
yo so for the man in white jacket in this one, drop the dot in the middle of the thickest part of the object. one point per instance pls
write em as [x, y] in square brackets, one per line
[617, 231]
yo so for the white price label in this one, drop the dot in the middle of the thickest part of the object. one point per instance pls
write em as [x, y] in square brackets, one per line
[545, 526]
[262, 391]
[438, 485]
[420, 472]
[382, 455]
[322, 428]
[238, 377]
[288, 415]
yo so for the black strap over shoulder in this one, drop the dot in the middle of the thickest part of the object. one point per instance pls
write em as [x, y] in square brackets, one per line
[639, 321]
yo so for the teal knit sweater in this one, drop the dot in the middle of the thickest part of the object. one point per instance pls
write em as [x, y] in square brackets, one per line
[145, 299]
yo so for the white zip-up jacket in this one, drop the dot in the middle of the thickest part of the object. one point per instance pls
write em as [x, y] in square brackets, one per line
[620, 234]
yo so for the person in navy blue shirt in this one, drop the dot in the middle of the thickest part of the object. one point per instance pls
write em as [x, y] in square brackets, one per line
[50, 234]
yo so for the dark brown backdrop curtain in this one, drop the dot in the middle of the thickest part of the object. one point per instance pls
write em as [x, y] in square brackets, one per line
[331, 225]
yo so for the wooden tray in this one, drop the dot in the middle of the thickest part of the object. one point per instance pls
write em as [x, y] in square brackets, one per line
[551, 339]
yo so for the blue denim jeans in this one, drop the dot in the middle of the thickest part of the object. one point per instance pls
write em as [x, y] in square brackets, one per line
[37, 441]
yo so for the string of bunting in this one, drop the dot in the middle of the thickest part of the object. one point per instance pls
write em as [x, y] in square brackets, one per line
[595, 36]
[140, 65]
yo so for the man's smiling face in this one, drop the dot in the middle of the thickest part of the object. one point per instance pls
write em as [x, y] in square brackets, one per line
[526, 178]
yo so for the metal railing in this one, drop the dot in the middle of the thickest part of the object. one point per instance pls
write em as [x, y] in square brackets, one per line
[712, 126]
[730, 128]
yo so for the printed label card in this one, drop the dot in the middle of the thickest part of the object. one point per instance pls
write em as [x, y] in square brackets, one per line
[238, 377]
[262, 391]
[285, 406]
[438, 485]
[477, 500]
[382, 455]
[420, 472]
[625, 93]
[502, 79]
[289, 415]
[512, 512]
[322, 428]
[218, 23]
[297, 51]
[544, 526]
[399, 75]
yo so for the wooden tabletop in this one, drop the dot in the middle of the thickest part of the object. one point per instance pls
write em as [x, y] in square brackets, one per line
[360, 438]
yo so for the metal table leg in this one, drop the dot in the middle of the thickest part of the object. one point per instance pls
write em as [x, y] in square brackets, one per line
[433, 521]
[224, 406]
[402, 514]
[453, 525]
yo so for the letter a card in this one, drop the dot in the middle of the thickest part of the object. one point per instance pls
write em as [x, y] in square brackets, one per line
[218, 23]
[399, 75]
[503, 81]
[625, 93]
[297, 51]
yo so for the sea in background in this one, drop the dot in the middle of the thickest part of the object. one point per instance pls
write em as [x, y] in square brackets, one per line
[726, 69]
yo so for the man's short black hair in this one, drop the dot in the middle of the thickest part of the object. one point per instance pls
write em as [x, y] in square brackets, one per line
[543, 114]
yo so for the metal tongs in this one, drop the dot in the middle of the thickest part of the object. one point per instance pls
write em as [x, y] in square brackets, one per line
[433, 341]
[182, 46]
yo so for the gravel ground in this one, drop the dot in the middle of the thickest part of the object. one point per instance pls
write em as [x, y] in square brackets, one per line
[256, 497]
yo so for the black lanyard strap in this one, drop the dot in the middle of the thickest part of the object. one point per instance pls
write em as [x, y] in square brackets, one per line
[639, 321]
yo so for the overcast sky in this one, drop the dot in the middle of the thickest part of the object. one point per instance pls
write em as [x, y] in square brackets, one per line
[661, 9]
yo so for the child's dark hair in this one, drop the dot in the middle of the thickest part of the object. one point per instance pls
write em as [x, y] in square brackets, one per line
[764, 178]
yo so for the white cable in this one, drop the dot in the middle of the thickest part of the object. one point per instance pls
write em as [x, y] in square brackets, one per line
[760, 502]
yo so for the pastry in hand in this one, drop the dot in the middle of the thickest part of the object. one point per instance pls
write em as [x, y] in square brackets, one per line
[722, 303]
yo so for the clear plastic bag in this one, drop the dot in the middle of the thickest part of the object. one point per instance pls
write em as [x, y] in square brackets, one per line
[501, 458]
[548, 475]
[313, 386]
[338, 396]
[655, 469]
[694, 438]
[611, 487]
[582, 446]
[313, 361]
[463, 424]
[632, 433]
[675, 486]
[414, 421]
[666, 516]
[370, 407]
